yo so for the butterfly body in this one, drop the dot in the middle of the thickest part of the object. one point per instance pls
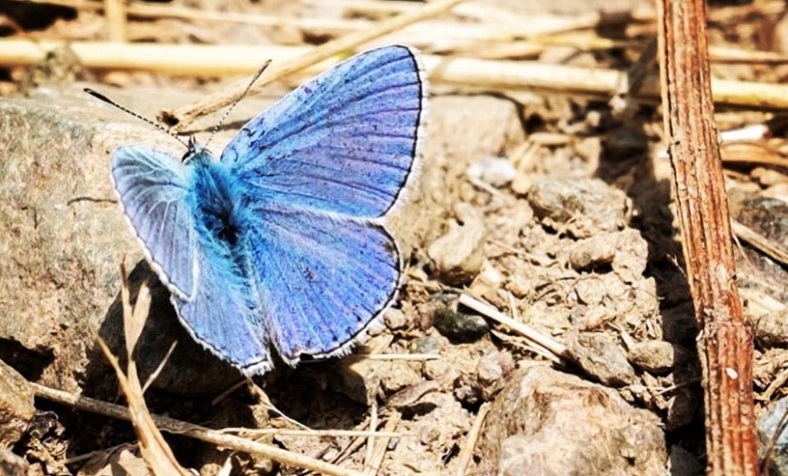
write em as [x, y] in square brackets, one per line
[216, 200]
[281, 242]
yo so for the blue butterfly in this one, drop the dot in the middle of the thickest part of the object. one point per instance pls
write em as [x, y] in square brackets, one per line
[281, 242]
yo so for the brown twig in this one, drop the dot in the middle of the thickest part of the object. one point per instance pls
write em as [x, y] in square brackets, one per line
[725, 341]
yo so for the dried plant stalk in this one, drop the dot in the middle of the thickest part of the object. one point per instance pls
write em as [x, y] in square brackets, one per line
[725, 343]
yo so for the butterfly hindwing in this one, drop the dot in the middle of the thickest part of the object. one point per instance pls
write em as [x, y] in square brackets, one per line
[224, 316]
[343, 143]
[152, 187]
[322, 280]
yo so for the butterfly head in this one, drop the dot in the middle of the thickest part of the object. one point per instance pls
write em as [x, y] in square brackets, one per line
[195, 152]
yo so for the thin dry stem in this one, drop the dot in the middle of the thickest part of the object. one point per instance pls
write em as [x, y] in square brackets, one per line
[466, 453]
[183, 117]
[171, 425]
[490, 312]
[212, 60]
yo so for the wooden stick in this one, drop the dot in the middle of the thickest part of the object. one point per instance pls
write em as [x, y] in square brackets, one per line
[212, 60]
[725, 343]
[196, 60]
[182, 117]
[115, 16]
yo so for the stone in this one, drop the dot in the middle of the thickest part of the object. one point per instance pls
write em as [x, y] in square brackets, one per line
[602, 358]
[543, 420]
[458, 255]
[67, 233]
[768, 424]
[657, 357]
[16, 406]
[495, 171]
[579, 207]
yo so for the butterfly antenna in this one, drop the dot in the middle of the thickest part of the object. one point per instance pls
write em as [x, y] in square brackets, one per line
[109, 101]
[241, 96]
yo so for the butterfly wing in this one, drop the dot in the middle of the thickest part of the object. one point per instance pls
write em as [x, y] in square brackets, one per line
[151, 187]
[322, 281]
[223, 316]
[343, 143]
[319, 168]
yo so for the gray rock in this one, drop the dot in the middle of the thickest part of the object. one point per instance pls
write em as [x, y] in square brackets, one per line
[768, 426]
[658, 357]
[602, 358]
[545, 420]
[68, 233]
[16, 406]
[458, 255]
[579, 207]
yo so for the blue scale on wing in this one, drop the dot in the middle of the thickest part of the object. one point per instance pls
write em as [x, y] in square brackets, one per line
[151, 186]
[321, 280]
[342, 143]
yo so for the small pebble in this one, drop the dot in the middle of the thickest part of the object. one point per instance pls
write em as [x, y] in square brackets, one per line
[458, 255]
[492, 370]
[427, 345]
[768, 424]
[580, 207]
[496, 171]
[459, 326]
[657, 357]
[601, 357]
[395, 319]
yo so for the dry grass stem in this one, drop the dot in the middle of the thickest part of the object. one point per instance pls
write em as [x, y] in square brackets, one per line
[466, 452]
[183, 117]
[154, 449]
[490, 312]
[373, 425]
[171, 425]
[253, 433]
[212, 60]
[382, 442]
[115, 15]
[154, 11]
[768, 247]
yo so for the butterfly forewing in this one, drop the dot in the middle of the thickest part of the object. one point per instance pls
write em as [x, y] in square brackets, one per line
[152, 187]
[343, 143]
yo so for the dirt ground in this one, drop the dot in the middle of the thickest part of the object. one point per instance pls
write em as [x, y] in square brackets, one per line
[541, 205]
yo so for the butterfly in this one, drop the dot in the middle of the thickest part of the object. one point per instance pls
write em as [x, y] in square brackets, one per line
[281, 243]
